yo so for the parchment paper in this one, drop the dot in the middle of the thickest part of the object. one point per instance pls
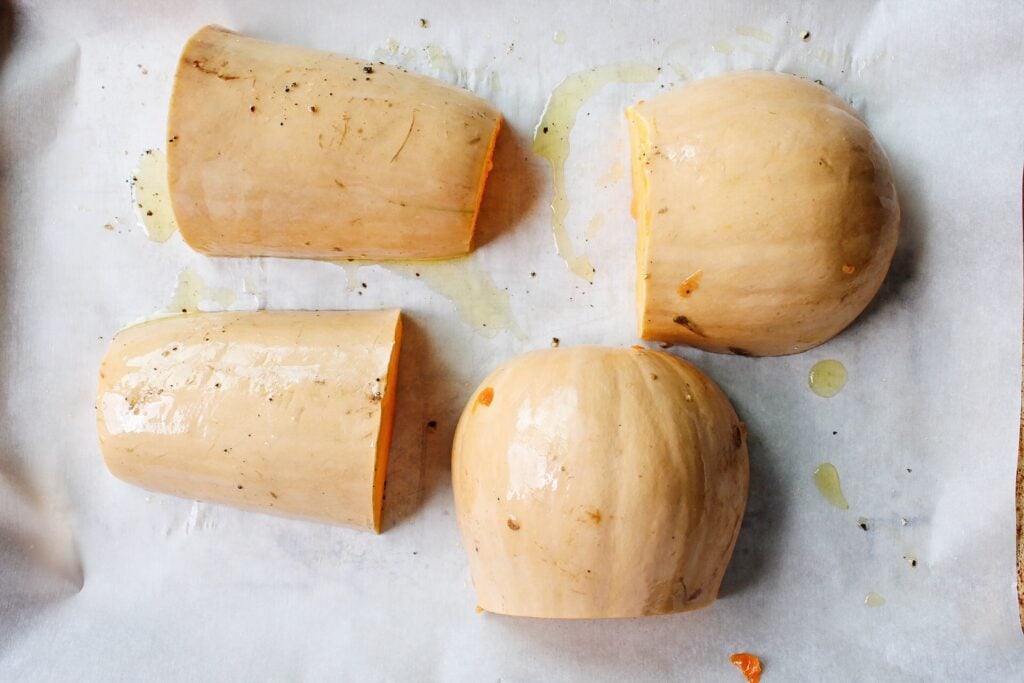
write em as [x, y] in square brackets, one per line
[103, 581]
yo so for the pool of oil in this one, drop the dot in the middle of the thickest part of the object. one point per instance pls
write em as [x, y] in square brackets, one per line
[827, 378]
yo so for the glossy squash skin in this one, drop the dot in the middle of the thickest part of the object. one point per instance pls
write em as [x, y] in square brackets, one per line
[596, 482]
[766, 213]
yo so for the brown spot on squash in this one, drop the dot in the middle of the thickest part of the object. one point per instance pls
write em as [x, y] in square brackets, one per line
[737, 436]
[486, 396]
[512, 523]
[594, 515]
[737, 351]
[688, 324]
[849, 268]
[690, 284]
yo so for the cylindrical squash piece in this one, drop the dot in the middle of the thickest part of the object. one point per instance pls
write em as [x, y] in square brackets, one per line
[283, 151]
[766, 212]
[282, 412]
[597, 482]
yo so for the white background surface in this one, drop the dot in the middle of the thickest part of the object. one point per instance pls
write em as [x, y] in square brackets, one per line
[102, 581]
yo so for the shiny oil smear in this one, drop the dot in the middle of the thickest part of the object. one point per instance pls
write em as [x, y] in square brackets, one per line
[151, 196]
[551, 141]
[479, 302]
[191, 291]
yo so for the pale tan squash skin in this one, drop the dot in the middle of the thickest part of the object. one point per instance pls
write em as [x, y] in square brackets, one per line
[767, 216]
[282, 412]
[598, 482]
[282, 151]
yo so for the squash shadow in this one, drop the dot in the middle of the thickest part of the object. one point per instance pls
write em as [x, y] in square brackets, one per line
[423, 428]
[756, 555]
[513, 187]
[903, 271]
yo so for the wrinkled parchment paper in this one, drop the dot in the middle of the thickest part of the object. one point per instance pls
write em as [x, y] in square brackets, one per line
[103, 581]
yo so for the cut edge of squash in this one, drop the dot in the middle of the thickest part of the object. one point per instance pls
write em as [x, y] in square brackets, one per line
[380, 465]
[482, 185]
[640, 143]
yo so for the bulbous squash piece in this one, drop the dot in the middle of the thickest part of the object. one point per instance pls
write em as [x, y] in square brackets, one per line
[766, 213]
[597, 482]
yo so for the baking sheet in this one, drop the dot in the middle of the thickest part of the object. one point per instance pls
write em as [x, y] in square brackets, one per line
[102, 581]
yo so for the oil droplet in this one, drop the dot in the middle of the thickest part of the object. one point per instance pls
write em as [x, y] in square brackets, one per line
[827, 378]
[478, 301]
[594, 226]
[551, 141]
[723, 47]
[682, 71]
[439, 59]
[559, 37]
[351, 269]
[874, 600]
[191, 291]
[151, 196]
[822, 56]
[393, 53]
[826, 478]
[755, 33]
[613, 175]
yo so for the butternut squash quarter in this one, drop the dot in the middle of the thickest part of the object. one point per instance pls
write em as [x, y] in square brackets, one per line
[288, 413]
[766, 214]
[276, 150]
[595, 482]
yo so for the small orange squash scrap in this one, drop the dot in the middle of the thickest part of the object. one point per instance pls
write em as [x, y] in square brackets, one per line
[749, 664]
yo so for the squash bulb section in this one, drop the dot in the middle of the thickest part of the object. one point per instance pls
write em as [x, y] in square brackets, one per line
[596, 482]
[766, 214]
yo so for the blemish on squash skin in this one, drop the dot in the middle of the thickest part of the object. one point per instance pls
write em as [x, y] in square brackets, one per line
[594, 515]
[688, 324]
[735, 350]
[849, 268]
[486, 396]
[690, 284]
[737, 436]
[201, 65]
[512, 523]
